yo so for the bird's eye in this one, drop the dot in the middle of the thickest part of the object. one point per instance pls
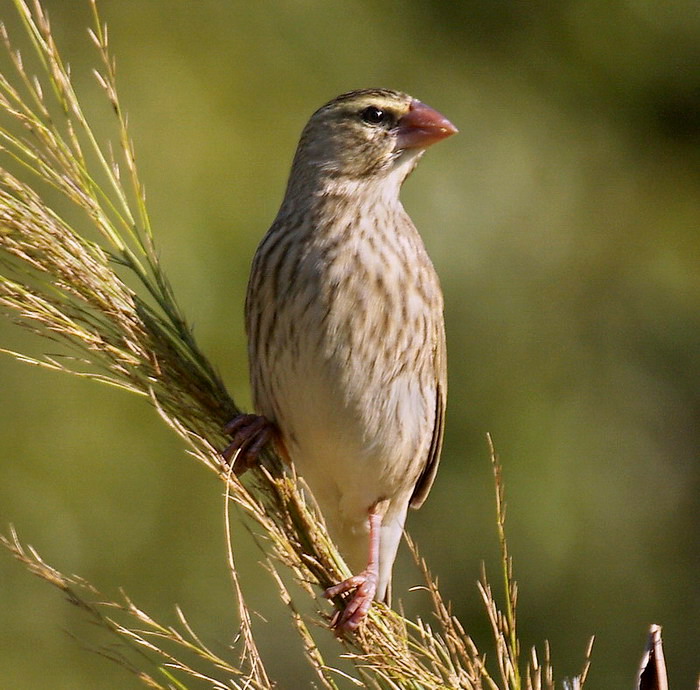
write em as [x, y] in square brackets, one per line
[373, 115]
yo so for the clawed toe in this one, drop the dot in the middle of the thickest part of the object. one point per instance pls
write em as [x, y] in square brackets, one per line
[250, 433]
[348, 585]
[365, 586]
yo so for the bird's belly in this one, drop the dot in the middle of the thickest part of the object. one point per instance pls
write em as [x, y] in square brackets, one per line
[357, 432]
[346, 370]
[347, 471]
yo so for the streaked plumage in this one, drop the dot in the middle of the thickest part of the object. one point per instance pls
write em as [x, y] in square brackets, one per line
[345, 327]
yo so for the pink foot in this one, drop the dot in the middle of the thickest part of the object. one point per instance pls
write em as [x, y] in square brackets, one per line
[250, 433]
[365, 586]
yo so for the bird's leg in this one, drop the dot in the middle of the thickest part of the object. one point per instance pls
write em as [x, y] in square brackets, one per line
[364, 584]
[250, 433]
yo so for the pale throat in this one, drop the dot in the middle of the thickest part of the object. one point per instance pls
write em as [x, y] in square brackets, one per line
[381, 189]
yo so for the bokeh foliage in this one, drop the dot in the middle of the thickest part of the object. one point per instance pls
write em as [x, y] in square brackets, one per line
[564, 223]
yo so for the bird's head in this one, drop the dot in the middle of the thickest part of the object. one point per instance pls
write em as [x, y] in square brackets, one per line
[365, 136]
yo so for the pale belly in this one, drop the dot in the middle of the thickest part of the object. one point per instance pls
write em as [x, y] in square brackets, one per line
[357, 426]
[349, 461]
[344, 364]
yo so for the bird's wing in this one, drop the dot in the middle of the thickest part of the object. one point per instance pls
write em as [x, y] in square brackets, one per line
[427, 476]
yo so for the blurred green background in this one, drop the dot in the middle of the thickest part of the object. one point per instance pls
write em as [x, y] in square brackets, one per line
[564, 221]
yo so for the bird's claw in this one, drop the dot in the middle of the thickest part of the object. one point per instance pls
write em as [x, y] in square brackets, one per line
[250, 433]
[365, 586]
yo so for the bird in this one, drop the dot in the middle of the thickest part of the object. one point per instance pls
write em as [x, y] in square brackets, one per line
[346, 336]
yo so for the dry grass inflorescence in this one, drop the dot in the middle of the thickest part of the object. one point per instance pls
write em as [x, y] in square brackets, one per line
[108, 303]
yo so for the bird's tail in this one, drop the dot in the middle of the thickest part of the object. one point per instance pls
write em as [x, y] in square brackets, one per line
[390, 536]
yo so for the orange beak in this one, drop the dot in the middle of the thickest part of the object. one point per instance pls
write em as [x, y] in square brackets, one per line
[422, 126]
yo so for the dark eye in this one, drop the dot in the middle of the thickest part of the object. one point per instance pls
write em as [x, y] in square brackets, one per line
[373, 115]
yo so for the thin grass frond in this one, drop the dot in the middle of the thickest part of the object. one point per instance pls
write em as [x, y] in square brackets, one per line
[587, 662]
[324, 672]
[250, 656]
[454, 651]
[503, 623]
